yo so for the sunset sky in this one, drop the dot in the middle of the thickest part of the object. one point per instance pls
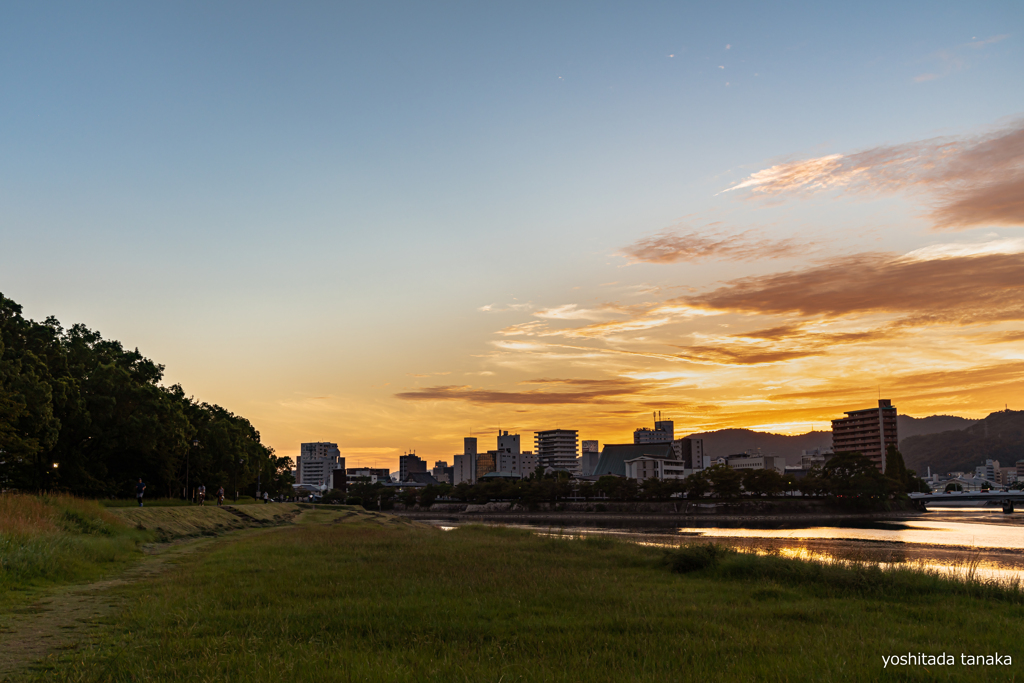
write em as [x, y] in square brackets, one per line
[391, 225]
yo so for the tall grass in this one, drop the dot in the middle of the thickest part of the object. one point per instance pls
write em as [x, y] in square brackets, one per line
[50, 538]
[829, 577]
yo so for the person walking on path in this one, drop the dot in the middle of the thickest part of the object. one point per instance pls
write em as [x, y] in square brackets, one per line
[266, 497]
[140, 488]
[220, 496]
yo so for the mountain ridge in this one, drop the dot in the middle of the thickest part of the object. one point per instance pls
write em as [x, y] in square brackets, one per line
[722, 442]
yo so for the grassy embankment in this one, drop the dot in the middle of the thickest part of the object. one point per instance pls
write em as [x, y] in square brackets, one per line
[53, 539]
[376, 599]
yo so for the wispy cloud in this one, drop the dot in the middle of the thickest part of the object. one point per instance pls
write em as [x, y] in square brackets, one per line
[497, 308]
[955, 60]
[571, 312]
[972, 181]
[673, 246]
[565, 391]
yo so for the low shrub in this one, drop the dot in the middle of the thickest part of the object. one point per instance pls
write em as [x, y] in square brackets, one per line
[696, 556]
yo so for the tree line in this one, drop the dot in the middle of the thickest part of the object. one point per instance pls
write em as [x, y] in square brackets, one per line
[850, 476]
[82, 414]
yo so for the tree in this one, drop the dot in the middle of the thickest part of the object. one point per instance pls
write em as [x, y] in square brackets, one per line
[855, 475]
[697, 485]
[763, 482]
[427, 496]
[725, 481]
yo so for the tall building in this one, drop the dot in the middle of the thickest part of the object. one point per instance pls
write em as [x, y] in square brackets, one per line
[990, 471]
[408, 464]
[868, 432]
[464, 469]
[589, 456]
[316, 462]
[442, 472]
[510, 459]
[691, 452]
[508, 443]
[486, 463]
[557, 448]
[663, 432]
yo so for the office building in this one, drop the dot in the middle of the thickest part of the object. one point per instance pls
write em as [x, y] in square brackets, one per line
[316, 462]
[510, 460]
[614, 456]
[989, 471]
[464, 468]
[508, 443]
[371, 474]
[663, 432]
[408, 464]
[442, 472]
[650, 467]
[557, 448]
[486, 463]
[691, 452]
[746, 461]
[869, 432]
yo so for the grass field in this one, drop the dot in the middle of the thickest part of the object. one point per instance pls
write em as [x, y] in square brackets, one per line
[54, 539]
[358, 597]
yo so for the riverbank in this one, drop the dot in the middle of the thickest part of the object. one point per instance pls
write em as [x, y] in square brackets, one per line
[367, 597]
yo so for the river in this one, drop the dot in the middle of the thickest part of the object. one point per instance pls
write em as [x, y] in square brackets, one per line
[968, 542]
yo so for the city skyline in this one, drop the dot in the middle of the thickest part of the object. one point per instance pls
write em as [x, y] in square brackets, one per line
[393, 227]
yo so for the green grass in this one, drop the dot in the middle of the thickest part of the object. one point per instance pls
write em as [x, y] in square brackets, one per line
[209, 520]
[171, 502]
[53, 539]
[374, 598]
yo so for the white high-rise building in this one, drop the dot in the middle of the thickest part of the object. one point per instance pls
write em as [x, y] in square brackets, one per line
[464, 467]
[556, 448]
[316, 462]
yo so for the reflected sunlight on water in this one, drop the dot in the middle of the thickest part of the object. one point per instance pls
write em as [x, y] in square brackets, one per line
[969, 543]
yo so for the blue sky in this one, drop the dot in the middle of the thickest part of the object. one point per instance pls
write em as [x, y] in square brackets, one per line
[282, 201]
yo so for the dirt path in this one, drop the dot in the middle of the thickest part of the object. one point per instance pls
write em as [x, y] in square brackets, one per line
[70, 616]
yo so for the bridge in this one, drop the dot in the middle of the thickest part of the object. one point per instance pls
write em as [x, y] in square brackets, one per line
[965, 498]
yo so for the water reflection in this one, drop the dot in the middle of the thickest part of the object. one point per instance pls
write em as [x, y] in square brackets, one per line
[968, 542]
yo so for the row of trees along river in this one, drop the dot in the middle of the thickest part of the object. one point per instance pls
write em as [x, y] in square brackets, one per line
[849, 476]
[82, 414]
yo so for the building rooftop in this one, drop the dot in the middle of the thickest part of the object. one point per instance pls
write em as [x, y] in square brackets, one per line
[614, 456]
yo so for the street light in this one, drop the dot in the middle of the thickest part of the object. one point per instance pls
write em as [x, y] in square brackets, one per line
[241, 461]
[188, 453]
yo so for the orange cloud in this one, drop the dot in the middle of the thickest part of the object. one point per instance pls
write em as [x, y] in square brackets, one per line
[972, 181]
[968, 289]
[673, 246]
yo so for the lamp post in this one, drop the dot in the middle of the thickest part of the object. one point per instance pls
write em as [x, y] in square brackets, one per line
[241, 461]
[188, 454]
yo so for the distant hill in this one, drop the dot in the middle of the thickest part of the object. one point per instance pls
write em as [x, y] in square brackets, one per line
[731, 441]
[1000, 436]
[907, 426]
